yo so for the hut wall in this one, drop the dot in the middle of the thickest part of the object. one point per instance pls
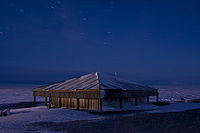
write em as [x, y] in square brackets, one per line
[90, 104]
[110, 93]
[114, 104]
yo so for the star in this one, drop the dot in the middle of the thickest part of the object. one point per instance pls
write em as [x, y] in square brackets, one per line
[82, 33]
[105, 43]
[21, 10]
[41, 43]
[52, 7]
[84, 19]
[80, 11]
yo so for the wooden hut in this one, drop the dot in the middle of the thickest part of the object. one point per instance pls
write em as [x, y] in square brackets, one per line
[91, 91]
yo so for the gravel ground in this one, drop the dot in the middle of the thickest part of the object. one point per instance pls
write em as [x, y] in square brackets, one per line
[179, 122]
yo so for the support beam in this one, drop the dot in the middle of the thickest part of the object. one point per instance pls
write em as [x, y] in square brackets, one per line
[70, 103]
[59, 104]
[136, 101]
[50, 98]
[88, 103]
[147, 99]
[77, 103]
[45, 101]
[120, 103]
[157, 98]
[34, 100]
[100, 105]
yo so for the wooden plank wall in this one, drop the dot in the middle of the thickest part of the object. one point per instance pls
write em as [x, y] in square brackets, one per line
[88, 104]
[76, 94]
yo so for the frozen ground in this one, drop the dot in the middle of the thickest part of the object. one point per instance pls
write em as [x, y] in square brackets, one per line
[172, 93]
[178, 122]
[20, 119]
[15, 93]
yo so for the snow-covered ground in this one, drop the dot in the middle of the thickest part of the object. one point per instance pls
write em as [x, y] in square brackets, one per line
[173, 93]
[19, 119]
[15, 93]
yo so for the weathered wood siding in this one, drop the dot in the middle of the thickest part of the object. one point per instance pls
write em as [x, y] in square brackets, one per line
[90, 99]
[43, 93]
[76, 94]
[88, 104]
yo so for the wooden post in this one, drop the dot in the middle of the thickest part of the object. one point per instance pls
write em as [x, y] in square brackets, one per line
[45, 101]
[100, 100]
[100, 105]
[50, 101]
[120, 103]
[147, 99]
[70, 103]
[157, 98]
[59, 104]
[136, 101]
[34, 100]
[88, 103]
[77, 103]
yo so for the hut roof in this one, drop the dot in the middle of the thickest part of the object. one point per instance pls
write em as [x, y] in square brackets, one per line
[95, 80]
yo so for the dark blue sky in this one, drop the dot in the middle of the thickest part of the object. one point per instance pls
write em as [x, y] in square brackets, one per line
[48, 39]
